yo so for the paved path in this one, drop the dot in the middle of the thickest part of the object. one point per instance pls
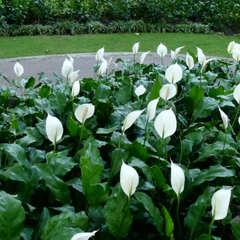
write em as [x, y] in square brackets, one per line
[53, 64]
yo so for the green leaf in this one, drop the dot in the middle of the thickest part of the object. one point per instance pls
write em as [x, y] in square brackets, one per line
[204, 237]
[212, 173]
[194, 98]
[236, 229]
[16, 153]
[60, 163]
[103, 93]
[44, 91]
[91, 165]
[169, 225]
[117, 156]
[32, 136]
[107, 130]
[205, 107]
[73, 127]
[64, 226]
[30, 82]
[117, 213]
[150, 207]
[55, 184]
[196, 211]
[12, 216]
[155, 89]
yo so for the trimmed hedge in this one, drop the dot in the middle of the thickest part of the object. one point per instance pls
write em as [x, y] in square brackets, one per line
[72, 28]
[221, 15]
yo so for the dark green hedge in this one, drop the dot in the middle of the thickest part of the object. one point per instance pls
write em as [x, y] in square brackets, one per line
[72, 28]
[221, 15]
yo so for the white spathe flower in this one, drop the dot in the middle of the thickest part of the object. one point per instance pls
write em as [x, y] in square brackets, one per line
[135, 48]
[54, 129]
[224, 117]
[129, 179]
[73, 76]
[177, 178]
[176, 52]
[18, 69]
[130, 119]
[67, 67]
[161, 50]
[100, 54]
[140, 90]
[204, 65]
[189, 61]
[143, 56]
[84, 111]
[200, 55]
[174, 73]
[236, 93]
[103, 67]
[236, 52]
[151, 109]
[220, 203]
[230, 47]
[75, 88]
[168, 91]
[83, 235]
[165, 123]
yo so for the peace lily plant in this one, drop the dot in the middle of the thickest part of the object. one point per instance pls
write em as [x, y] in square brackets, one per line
[113, 140]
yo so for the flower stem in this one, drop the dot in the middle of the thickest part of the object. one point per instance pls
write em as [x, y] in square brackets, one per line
[165, 145]
[210, 228]
[120, 140]
[235, 118]
[146, 132]
[225, 137]
[177, 216]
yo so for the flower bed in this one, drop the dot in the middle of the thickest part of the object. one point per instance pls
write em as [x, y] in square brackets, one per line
[143, 151]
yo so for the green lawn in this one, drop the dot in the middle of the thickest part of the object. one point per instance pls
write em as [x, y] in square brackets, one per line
[212, 44]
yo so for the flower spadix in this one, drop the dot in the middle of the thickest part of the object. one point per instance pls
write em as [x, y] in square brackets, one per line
[84, 111]
[177, 178]
[200, 55]
[75, 88]
[130, 119]
[220, 203]
[135, 48]
[100, 54]
[83, 235]
[54, 129]
[140, 90]
[236, 93]
[129, 179]
[143, 56]
[165, 123]
[67, 67]
[168, 91]
[224, 117]
[151, 109]
[174, 73]
[18, 69]
[161, 50]
[189, 61]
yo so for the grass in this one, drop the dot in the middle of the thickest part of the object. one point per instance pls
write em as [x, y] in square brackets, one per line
[212, 44]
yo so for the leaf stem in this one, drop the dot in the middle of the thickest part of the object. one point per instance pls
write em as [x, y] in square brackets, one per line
[120, 140]
[146, 132]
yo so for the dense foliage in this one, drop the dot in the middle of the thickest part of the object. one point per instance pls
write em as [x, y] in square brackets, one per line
[222, 15]
[73, 28]
[51, 195]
